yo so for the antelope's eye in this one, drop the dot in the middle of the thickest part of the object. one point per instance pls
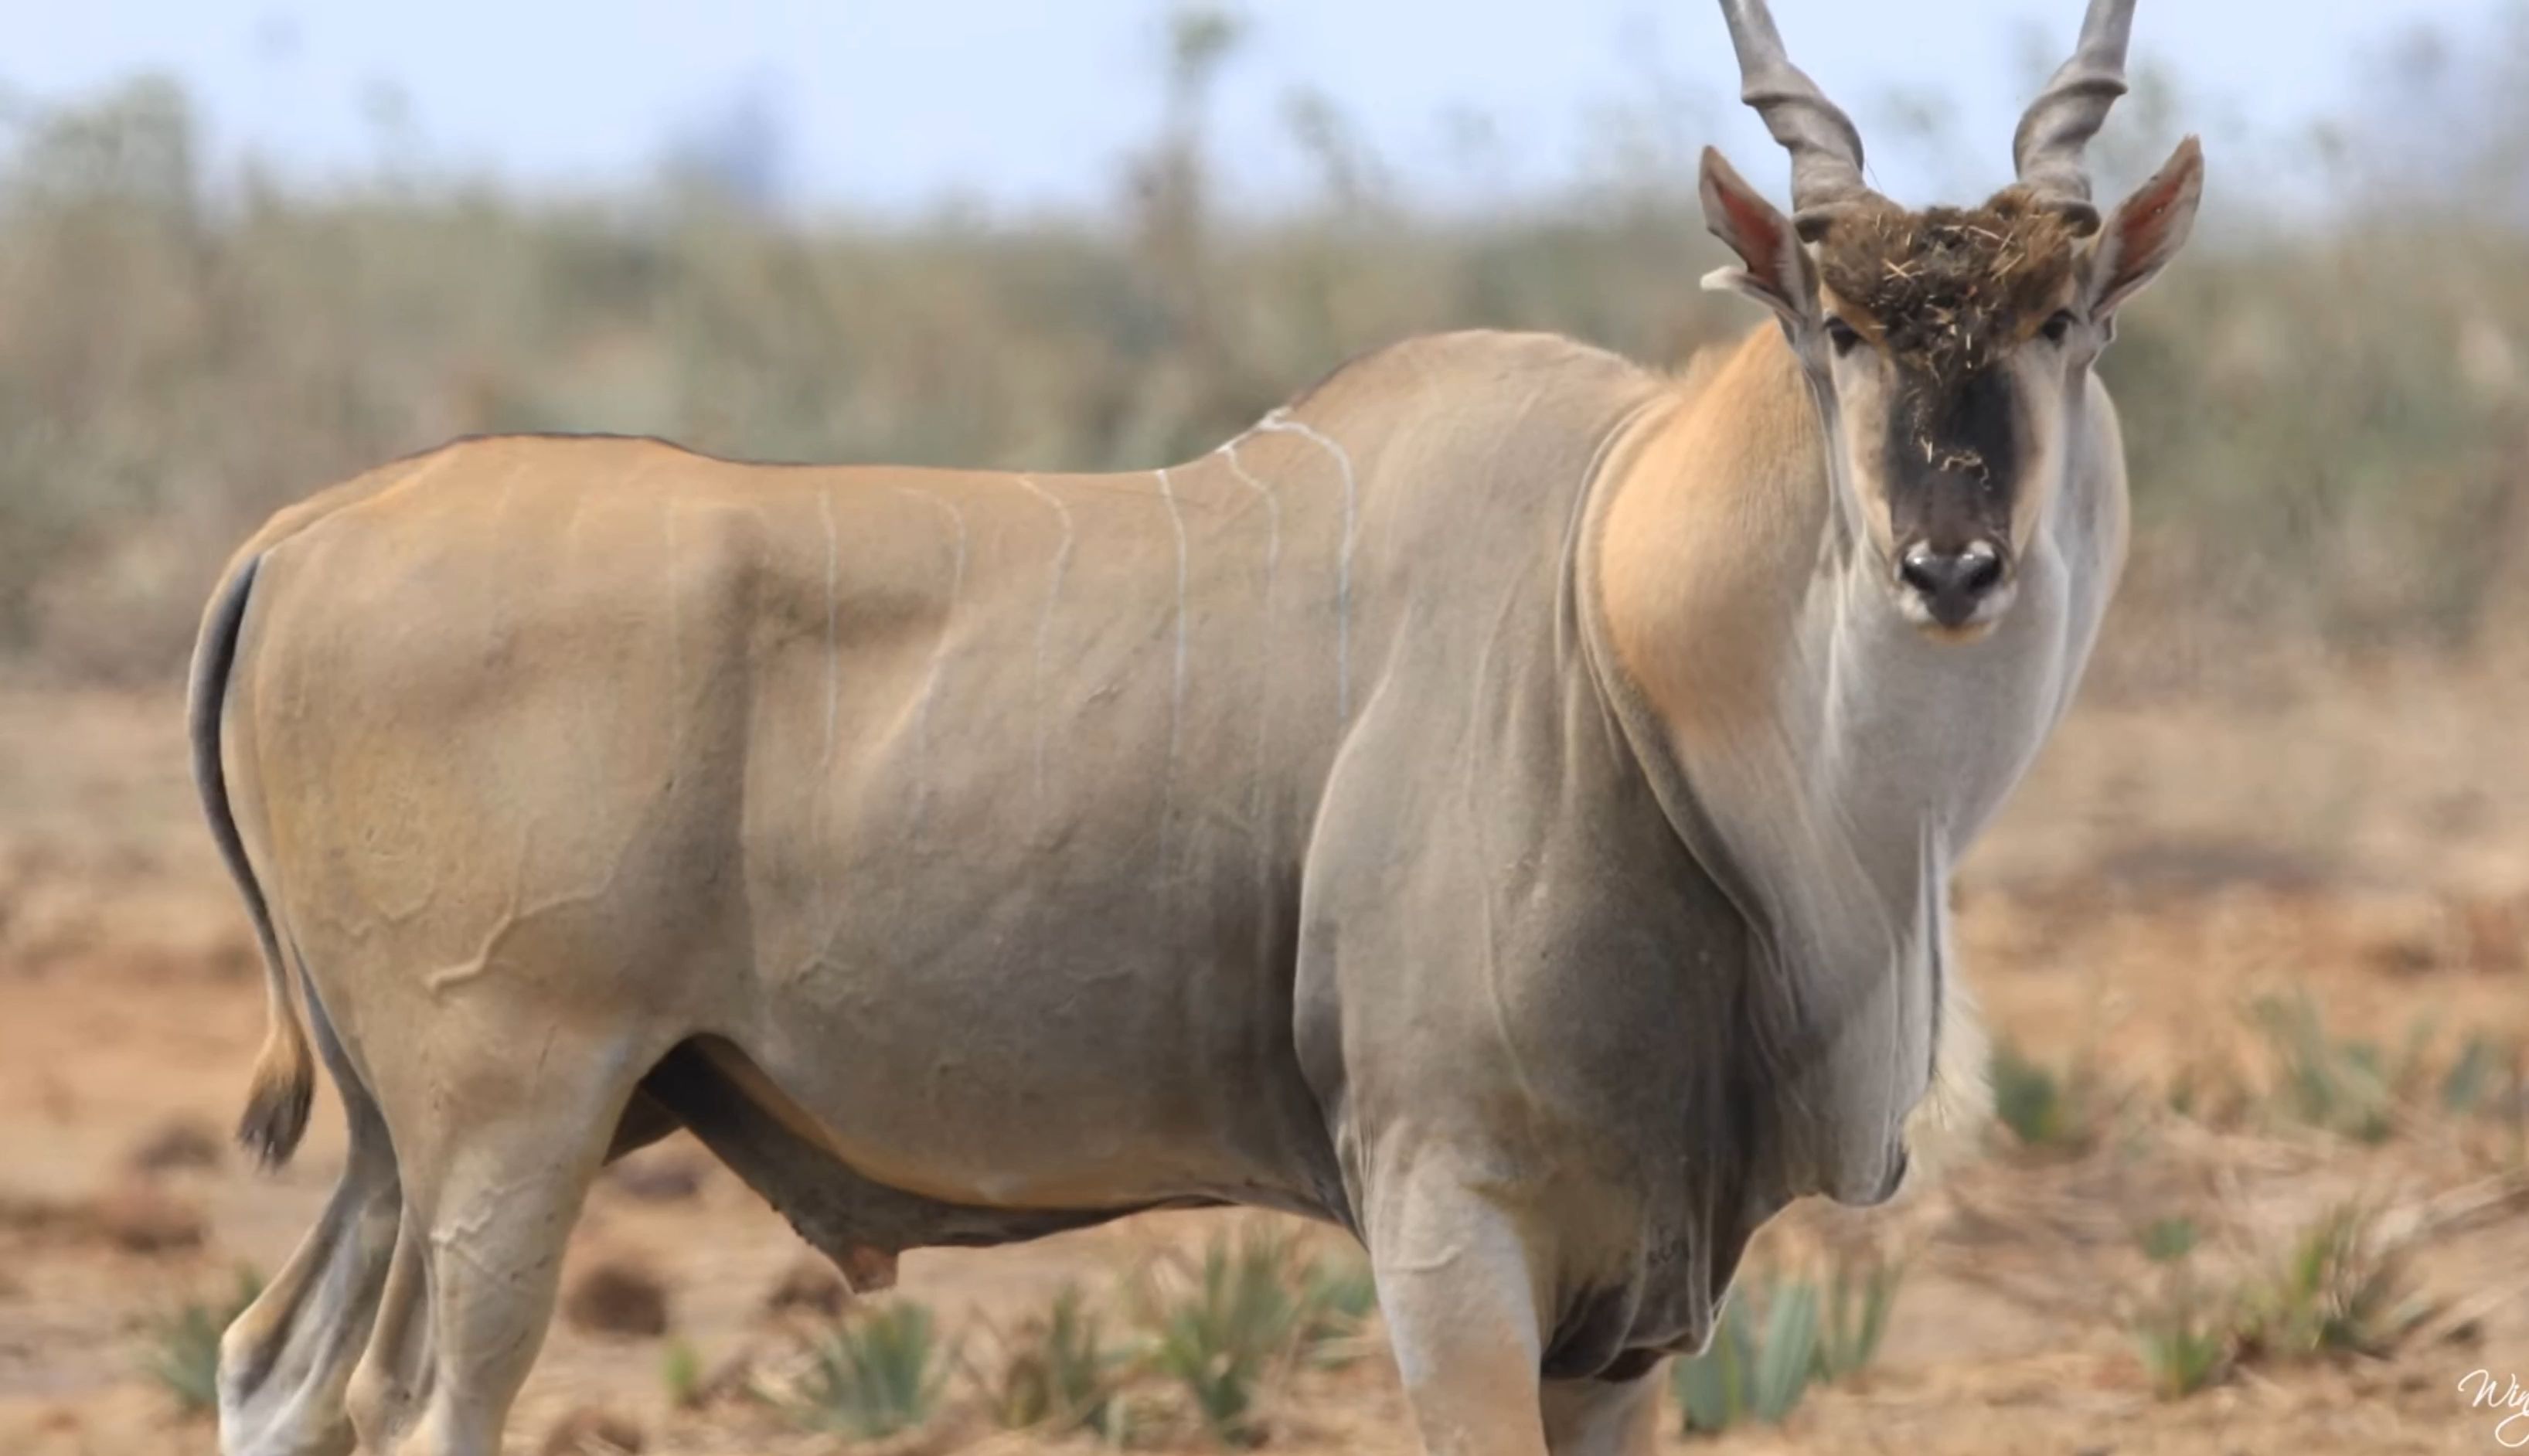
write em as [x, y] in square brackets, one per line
[1841, 334]
[2060, 325]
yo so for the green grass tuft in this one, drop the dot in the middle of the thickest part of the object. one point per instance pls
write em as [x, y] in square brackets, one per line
[1223, 1338]
[1057, 1373]
[2340, 1290]
[1251, 1313]
[2348, 1086]
[876, 1374]
[1759, 1365]
[2046, 1110]
[2185, 1347]
[1860, 1297]
[1780, 1336]
[680, 1370]
[184, 1353]
[2182, 1332]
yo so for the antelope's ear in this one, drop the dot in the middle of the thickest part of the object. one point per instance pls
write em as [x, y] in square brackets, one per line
[2147, 230]
[1775, 270]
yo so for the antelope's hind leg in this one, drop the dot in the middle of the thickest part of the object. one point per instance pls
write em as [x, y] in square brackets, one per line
[284, 1363]
[494, 1166]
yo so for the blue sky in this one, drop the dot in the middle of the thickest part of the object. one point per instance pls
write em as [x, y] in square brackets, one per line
[1017, 106]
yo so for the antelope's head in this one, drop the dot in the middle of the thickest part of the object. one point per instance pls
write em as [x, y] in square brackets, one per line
[1948, 351]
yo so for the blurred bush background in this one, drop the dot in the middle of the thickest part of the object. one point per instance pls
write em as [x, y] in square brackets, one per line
[2253, 939]
[2326, 406]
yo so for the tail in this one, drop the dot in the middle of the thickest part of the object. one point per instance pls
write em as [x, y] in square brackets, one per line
[284, 1072]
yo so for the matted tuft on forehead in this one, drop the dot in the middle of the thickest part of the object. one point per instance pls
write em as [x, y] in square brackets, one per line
[1949, 288]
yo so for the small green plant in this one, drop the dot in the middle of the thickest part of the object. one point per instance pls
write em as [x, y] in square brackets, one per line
[2046, 1110]
[185, 1346]
[1759, 1362]
[1336, 1297]
[2340, 1290]
[2475, 1076]
[2185, 1347]
[1058, 1371]
[1224, 1337]
[680, 1370]
[1780, 1336]
[2513, 1107]
[1251, 1312]
[874, 1374]
[2347, 1086]
[2182, 1335]
[2167, 1240]
[1860, 1295]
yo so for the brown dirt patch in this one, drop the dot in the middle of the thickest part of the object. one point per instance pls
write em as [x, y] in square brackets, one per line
[2367, 841]
[618, 1297]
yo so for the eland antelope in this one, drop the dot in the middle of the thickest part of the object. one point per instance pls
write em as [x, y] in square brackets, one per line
[1501, 804]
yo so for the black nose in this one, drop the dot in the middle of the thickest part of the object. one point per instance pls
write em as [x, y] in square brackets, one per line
[1952, 582]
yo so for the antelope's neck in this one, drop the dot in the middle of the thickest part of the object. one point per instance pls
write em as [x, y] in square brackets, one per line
[1821, 758]
[1708, 539]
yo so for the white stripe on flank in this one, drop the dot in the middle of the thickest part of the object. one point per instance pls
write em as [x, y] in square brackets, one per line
[1282, 423]
[1272, 570]
[1273, 517]
[1044, 624]
[1176, 680]
[939, 651]
[833, 663]
[676, 629]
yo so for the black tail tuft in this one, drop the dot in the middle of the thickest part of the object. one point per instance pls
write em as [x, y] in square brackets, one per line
[276, 1115]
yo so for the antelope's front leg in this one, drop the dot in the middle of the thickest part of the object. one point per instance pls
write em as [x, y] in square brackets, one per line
[1604, 1418]
[1459, 1292]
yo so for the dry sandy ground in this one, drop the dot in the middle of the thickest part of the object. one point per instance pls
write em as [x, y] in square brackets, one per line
[2365, 839]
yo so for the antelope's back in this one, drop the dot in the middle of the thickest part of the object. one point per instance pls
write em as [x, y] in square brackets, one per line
[963, 802]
